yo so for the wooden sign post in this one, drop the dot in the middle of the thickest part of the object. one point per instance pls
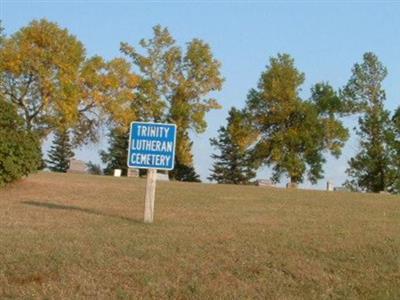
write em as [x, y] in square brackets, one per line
[151, 147]
[150, 195]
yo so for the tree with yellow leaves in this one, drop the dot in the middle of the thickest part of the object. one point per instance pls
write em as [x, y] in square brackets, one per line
[45, 74]
[174, 87]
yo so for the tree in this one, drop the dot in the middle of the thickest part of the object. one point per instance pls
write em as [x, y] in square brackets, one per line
[60, 152]
[2, 35]
[184, 173]
[45, 74]
[396, 151]
[233, 164]
[108, 96]
[293, 133]
[117, 153]
[39, 67]
[174, 85]
[373, 168]
[94, 169]
[19, 149]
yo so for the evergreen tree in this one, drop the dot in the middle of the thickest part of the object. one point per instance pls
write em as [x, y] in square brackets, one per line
[182, 172]
[396, 152]
[294, 133]
[373, 168]
[94, 169]
[116, 155]
[183, 169]
[60, 152]
[233, 164]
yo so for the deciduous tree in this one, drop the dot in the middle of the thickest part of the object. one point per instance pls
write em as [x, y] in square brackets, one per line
[293, 133]
[45, 74]
[39, 67]
[175, 85]
[19, 149]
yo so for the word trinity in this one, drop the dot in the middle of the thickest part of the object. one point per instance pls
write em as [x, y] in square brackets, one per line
[153, 131]
[152, 146]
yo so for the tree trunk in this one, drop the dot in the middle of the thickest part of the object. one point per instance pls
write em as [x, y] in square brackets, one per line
[293, 183]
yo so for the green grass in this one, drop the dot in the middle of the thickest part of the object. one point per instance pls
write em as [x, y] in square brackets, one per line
[77, 236]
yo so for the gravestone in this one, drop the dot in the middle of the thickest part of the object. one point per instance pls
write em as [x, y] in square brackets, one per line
[264, 182]
[340, 189]
[77, 166]
[162, 177]
[292, 185]
[133, 172]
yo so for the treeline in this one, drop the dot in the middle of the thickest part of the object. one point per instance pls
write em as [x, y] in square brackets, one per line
[48, 79]
[279, 129]
[49, 85]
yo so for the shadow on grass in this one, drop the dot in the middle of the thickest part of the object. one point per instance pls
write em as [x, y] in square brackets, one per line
[80, 209]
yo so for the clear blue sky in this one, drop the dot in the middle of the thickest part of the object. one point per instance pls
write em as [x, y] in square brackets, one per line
[325, 39]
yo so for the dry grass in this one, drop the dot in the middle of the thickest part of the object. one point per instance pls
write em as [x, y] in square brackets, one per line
[75, 236]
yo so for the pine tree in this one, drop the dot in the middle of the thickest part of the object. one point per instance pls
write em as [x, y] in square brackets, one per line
[117, 153]
[60, 152]
[233, 164]
[183, 169]
[182, 172]
[396, 151]
[93, 168]
[373, 168]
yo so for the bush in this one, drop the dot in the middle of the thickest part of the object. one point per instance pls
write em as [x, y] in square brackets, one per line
[94, 169]
[20, 152]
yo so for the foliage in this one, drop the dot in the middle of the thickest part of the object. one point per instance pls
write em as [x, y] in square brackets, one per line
[108, 94]
[233, 164]
[183, 172]
[19, 149]
[2, 35]
[45, 73]
[39, 68]
[94, 169]
[117, 153]
[373, 168]
[60, 152]
[174, 85]
[293, 133]
[396, 150]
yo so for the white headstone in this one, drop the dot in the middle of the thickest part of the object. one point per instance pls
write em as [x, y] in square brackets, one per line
[264, 182]
[162, 177]
[329, 186]
[133, 172]
[117, 172]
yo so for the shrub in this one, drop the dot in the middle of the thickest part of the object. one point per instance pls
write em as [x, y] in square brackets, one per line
[20, 152]
[94, 169]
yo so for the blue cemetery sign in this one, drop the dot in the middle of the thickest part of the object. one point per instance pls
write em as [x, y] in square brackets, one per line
[152, 146]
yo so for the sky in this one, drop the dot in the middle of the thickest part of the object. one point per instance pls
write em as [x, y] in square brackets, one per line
[325, 38]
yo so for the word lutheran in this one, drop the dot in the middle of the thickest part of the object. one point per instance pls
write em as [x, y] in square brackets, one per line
[152, 146]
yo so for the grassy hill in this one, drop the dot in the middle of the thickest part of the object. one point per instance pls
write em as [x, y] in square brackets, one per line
[80, 236]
